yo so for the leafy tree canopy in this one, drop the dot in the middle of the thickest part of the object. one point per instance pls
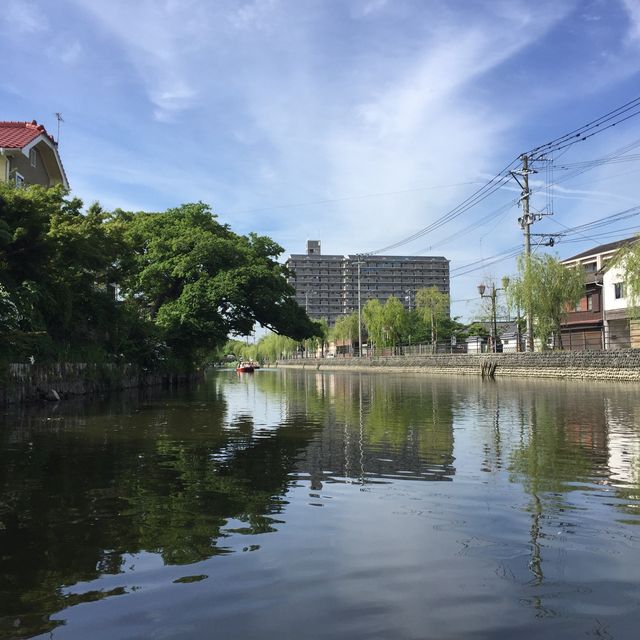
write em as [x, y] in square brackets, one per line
[185, 281]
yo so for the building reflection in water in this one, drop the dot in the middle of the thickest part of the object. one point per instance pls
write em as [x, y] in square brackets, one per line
[374, 429]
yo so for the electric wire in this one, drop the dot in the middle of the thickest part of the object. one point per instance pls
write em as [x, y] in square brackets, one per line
[561, 143]
[489, 188]
[588, 130]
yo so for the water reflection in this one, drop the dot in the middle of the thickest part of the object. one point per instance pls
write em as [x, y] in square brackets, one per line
[371, 431]
[98, 495]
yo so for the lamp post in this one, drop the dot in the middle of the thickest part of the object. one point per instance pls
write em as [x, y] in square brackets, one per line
[492, 295]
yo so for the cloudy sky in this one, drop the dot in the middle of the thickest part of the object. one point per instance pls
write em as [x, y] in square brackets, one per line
[356, 122]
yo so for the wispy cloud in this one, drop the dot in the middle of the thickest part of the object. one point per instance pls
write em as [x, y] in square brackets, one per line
[252, 15]
[22, 18]
[252, 103]
[633, 11]
[160, 40]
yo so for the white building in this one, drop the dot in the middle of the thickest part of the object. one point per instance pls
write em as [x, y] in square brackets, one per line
[620, 330]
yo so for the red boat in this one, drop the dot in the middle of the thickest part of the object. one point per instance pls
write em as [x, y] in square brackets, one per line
[246, 367]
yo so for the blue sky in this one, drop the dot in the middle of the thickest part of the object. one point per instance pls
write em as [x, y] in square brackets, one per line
[384, 113]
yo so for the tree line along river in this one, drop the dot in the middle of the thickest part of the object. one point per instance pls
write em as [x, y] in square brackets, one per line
[297, 504]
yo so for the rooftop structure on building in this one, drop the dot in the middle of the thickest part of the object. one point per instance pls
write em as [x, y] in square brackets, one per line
[603, 251]
[327, 285]
[29, 155]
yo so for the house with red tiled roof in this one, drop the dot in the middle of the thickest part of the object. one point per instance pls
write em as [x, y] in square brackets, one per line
[29, 155]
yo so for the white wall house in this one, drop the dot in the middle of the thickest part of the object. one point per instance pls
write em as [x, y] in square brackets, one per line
[620, 330]
[601, 318]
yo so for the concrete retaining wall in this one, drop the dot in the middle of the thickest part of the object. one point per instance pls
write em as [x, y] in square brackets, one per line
[30, 382]
[578, 365]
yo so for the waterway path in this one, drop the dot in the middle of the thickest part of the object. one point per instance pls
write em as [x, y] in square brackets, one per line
[320, 505]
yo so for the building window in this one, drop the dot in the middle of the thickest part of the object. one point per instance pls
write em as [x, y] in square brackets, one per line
[33, 158]
[589, 303]
[19, 180]
[619, 290]
[578, 306]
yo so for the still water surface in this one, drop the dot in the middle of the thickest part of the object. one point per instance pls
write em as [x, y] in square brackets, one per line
[305, 505]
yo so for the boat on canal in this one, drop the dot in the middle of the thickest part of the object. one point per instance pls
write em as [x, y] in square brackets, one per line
[246, 367]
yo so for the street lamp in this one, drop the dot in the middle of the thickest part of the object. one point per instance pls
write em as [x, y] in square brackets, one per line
[407, 298]
[492, 295]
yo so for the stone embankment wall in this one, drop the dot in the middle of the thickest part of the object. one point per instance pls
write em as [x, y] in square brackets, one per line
[30, 382]
[577, 365]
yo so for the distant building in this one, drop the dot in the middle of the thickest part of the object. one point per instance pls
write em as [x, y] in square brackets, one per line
[29, 155]
[327, 285]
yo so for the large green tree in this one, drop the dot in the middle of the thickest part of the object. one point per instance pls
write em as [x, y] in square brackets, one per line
[142, 287]
[198, 281]
[56, 264]
[549, 289]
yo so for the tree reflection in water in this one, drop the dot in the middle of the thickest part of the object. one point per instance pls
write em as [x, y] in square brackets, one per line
[86, 492]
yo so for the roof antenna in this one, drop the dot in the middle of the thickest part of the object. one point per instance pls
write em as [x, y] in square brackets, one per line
[59, 119]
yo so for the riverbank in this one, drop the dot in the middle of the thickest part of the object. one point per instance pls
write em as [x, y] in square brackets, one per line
[21, 383]
[623, 365]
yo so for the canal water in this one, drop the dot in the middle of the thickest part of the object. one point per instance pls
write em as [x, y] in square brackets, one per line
[306, 505]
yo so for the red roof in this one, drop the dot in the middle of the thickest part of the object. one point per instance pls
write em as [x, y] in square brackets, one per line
[16, 135]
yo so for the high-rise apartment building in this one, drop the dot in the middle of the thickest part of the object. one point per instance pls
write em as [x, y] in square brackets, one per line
[327, 285]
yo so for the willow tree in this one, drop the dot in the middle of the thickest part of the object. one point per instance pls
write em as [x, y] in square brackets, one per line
[373, 321]
[393, 320]
[345, 328]
[549, 289]
[433, 306]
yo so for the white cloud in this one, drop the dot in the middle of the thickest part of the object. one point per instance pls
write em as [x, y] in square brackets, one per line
[369, 7]
[419, 126]
[252, 15]
[160, 40]
[70, 52]
[633, 11]
[276, 102]
[23, 18]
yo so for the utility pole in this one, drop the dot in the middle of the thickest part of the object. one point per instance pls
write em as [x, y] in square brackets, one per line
[494, 315]
[525, 223]
[359, 310]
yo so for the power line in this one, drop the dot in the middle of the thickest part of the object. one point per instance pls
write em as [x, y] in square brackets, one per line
[588, 130]
[514, 251]
[476, 225]
[475, 198]
[485, 262]
[354, 197]
[600, 124]
[618, 155]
